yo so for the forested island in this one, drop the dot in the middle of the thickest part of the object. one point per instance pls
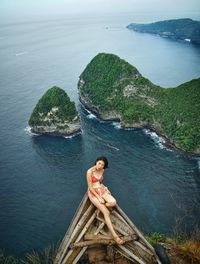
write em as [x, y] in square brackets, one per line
[115, 90]
[184, 29]
[55, 114]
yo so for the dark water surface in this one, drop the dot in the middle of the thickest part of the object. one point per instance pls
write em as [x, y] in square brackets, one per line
[42, 179]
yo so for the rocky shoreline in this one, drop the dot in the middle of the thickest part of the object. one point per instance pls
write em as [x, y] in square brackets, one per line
[166, 141]
[72, 130]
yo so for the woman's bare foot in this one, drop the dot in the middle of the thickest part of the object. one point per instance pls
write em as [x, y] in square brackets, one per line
[118, 240]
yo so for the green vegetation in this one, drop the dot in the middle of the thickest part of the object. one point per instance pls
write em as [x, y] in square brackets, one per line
[182, 29]
[47, 256]
[190, 251]
[54, 106]
[155, 238]
[182, 249]
[110, 84]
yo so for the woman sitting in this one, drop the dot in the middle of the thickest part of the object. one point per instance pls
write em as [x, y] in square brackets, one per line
[99, 195]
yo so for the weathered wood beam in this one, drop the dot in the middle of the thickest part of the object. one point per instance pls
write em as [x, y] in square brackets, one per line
[144, 248]
[69, 253]
[117, 228]
[99, 229]
[99, 241]
[138, 232]
[75, 220]
[120, 217]
[134, 228]
[77, 229]
[127, 253]
[79, 255]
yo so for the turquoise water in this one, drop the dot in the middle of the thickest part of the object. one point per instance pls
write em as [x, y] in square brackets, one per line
[43, 178]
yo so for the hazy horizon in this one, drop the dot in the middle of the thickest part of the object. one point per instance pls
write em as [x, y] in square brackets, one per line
[23, 10]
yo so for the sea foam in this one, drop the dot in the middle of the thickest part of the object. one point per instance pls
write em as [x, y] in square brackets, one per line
[160, 141]
[28, 131]
[74, 135]
[116, 125]
[91, 116]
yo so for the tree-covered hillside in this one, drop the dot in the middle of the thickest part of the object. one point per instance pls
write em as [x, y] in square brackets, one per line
[112, 87]
[54, 98]
[183, 29]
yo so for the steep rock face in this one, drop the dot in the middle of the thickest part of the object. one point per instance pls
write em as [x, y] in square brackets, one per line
[55, 114]
[115, 90]
[181, 29]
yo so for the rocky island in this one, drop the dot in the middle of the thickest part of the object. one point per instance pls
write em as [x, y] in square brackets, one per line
[115, 90]
[55, 114]
[184, 29]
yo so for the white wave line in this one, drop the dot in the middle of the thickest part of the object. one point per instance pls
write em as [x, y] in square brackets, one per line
[74, 135]
[107, 144]
[21, 53]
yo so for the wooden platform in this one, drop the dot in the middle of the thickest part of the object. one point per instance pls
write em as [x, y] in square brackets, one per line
[88, 239]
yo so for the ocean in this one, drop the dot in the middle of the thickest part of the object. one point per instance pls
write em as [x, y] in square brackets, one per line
[42, 178]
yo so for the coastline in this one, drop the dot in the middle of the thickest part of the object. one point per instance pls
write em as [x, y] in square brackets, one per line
[165, 140]
[57, 133]
[181, 29]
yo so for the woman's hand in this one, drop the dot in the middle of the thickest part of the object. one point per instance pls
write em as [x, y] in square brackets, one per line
[106, 189]
[101, 200]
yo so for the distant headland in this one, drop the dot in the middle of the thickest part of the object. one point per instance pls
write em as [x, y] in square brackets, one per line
[184, 29]
[115, 90]
[55, 114]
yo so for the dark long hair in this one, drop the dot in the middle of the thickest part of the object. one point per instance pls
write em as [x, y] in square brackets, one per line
[104, 159]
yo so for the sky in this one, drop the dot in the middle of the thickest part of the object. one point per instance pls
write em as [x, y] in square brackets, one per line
[11, 10]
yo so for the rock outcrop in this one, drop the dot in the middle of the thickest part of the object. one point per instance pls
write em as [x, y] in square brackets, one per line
[55, 114]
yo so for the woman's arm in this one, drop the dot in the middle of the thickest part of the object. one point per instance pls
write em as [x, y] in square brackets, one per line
[106, 189]
[89, 181]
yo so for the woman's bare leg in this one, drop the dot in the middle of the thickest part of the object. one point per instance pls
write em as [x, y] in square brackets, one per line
[110, 200]
[106, 213]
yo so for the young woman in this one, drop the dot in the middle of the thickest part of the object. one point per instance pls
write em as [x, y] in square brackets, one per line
[99, 195]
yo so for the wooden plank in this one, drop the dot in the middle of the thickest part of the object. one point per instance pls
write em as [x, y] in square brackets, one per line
[140, 253]
[74, 221]
[99, 229]
[93, 242]
[144, 248]
[138, 232]
[99, 241]
[118, 228]
[79, 255]
[90, 234]
[119, 216]
[86, 227]
[76, 229]
[130, 254]
[69, 253]
[135, 228]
